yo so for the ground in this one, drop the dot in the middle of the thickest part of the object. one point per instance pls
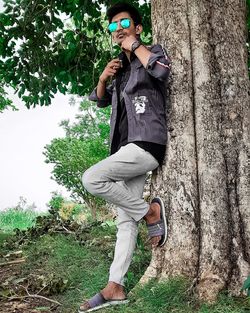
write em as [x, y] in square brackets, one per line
[68, 265]
[60, 266]
[9, 273]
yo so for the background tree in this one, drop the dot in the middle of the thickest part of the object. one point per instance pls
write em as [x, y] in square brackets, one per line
[85, 143]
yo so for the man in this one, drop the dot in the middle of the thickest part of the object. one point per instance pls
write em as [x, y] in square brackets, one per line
[138, 138]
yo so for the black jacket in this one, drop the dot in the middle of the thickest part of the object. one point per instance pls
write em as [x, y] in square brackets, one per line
[145, 98]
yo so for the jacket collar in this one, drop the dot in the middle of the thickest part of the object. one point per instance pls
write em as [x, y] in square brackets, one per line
[122, 56]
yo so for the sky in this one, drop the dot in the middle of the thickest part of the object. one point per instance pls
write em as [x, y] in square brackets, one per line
[23, 135]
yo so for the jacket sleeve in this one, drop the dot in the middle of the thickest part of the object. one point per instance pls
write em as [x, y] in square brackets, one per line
[105, 100]
[159, 63]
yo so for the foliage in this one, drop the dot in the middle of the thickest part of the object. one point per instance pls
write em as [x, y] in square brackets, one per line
[4, 102]
[55, 203]
[41, 54]
[85, 143]
[21, 216]
[49, 224]
[11, 219]
[67, 210]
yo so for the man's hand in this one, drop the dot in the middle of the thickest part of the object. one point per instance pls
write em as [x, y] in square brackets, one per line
[110, 70]
[127, 43]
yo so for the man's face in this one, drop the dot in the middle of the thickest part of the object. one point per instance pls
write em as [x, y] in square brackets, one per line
[121, 33]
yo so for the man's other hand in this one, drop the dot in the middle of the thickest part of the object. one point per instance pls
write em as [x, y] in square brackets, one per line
[110, 70]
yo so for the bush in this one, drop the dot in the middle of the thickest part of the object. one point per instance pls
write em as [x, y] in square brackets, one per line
[66, 210]
[13, 218]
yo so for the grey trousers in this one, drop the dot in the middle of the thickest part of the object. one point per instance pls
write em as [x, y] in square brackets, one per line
[120, 179]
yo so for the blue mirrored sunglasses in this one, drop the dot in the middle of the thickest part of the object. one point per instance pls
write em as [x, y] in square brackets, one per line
[124, 22]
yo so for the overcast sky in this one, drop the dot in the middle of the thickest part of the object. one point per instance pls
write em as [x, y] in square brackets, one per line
[23, 134]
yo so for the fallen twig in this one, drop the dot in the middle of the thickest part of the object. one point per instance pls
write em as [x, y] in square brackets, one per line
[38, 296]
[68, 231]
[13, 262]
[33, 296]
[14, 255]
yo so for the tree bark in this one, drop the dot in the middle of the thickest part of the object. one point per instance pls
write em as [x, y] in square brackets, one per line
[205, 180]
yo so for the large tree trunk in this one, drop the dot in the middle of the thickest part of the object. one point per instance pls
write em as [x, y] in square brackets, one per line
[205, 180]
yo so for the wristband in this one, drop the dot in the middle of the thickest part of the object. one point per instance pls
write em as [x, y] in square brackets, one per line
[135, 45]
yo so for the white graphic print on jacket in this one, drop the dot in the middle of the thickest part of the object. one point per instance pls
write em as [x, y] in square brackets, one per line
[140, 104]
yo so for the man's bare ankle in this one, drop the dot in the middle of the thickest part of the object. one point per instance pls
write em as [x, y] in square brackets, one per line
[150, 212]
[113, 290]
[114, 287]
[112, 284]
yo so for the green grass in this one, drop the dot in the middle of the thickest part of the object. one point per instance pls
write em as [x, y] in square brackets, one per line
[72, 272]
[84, 269]
[12, 218]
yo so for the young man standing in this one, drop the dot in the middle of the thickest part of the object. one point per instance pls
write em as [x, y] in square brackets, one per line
[138, 139]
